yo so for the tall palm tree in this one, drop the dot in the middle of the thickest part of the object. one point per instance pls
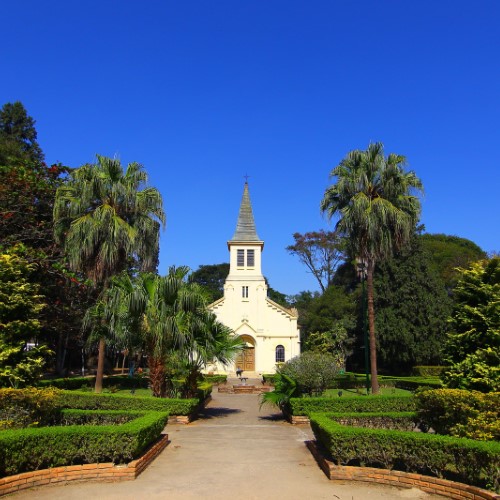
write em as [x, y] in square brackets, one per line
[173, 321]
[375, 202]
[108, 220]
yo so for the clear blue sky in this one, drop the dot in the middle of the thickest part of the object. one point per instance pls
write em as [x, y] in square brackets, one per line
[203, 92]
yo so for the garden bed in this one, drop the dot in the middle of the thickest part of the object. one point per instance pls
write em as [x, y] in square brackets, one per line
[465, 460]
[107, 471]
[432, 485]
[31, 449]
[298, 409]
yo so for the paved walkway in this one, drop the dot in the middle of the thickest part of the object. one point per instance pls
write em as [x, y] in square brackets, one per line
[234, 451]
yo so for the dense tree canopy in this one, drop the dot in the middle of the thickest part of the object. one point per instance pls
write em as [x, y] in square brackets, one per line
[473, 345]
[27, 193]
[412, 310]
[212, 277]
[449, 253]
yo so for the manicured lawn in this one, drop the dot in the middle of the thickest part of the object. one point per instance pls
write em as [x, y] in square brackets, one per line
[350, 393]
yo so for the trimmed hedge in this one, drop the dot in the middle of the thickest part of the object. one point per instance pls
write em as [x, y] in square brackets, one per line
[427, 371]
[91, 401]
[401, 421]
[414, 383]
[464, 460]
[32, 449]
[75, 383]
[215, 379]
[97, 417]
[364, 404]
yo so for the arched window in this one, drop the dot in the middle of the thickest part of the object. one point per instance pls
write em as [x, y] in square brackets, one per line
[280, 354]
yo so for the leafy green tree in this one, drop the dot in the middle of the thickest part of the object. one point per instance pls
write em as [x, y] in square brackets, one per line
[449, 253]
[21, 359]
[26, 204]
[108, 221]
[377, 213]
[336, 342]
[473, 344]
[18, 135]
[321, 252]
[212, 277]
[412, 310]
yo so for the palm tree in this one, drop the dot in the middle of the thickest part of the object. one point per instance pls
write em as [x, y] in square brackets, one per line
[108, 220]
[173, 321]
[374, 199]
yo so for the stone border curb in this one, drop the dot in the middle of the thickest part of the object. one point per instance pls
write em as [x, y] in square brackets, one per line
[88, 472]
[429, 484]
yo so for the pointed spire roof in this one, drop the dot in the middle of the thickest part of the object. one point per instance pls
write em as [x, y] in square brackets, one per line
[245, 227]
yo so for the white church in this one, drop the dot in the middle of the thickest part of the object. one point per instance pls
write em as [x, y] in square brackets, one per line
[269, 330]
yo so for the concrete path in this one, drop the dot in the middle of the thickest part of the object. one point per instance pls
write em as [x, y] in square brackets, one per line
[235, 452]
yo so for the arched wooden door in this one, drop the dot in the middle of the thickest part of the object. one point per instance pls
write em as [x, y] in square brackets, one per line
[246, 358]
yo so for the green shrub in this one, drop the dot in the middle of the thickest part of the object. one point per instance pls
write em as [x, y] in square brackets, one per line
[21, 408]
[460, 412]
[313, 372]
[269, 378]
[468, 461]
[427, 371]
[364, 404]
[31, 449]
[91, 401]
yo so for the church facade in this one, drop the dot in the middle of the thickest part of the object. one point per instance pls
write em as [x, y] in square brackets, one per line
[269, 330]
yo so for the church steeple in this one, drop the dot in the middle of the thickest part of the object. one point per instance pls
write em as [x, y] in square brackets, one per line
[245, 227]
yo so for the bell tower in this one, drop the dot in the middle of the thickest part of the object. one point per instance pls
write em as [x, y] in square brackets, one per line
[245, 248]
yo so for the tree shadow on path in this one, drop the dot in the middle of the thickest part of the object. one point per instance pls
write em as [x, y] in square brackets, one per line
[217, 412]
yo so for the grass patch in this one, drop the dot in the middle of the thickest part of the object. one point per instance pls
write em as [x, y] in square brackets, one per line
[354, 393]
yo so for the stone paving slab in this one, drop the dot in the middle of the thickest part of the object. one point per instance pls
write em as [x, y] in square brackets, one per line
[234, 451]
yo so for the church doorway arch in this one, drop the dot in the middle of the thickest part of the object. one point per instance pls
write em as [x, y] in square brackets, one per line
[246, 358]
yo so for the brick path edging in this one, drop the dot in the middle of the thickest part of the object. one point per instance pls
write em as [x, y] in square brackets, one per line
[434, 485]
[88, 472]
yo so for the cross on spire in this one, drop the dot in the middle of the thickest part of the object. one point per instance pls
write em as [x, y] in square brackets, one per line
[246, 176]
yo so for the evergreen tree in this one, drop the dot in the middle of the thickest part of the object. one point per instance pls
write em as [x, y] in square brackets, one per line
[473, 345]
[412, 310]
[18, 135]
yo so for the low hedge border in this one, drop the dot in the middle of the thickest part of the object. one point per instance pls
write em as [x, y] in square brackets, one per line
[399, 479]
[363, 404]
[92, 401]
[88, 472]
[401, 421]
[215, 379]
[97, 417]
[30, 449]
[75, 383]
[465, 460]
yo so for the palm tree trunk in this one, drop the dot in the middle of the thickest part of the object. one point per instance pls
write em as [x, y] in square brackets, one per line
[157, 377]
[371, 328]
[100, 366]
